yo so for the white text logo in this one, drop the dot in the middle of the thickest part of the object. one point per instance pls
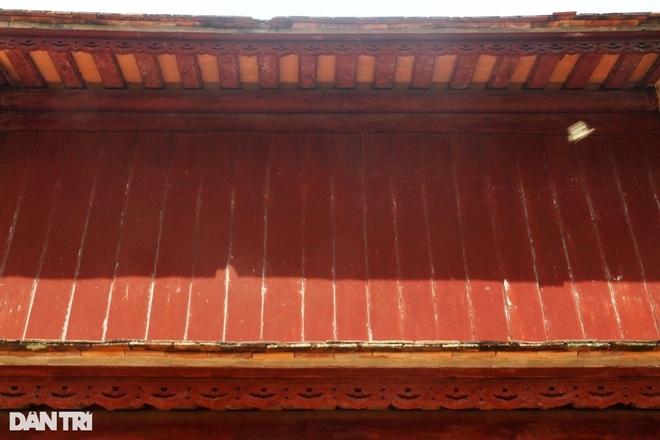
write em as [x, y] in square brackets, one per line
[51, 420]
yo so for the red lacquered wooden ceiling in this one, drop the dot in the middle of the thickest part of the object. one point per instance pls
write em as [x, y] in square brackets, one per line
[313, 237]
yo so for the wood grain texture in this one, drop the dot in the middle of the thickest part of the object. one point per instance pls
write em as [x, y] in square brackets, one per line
[292, 237]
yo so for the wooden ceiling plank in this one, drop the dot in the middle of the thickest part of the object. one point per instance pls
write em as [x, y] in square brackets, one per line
[27, 71]
[229, 71]
[269, 75]
[66, 67]
[149, 70]
[345, 70]
[462, 76]
[384, 71]
[502, 72]
[622, 71]
[422, 72]
[109, 70]
[189, 71]
[307, 71]
[582, 71]
[543, 68]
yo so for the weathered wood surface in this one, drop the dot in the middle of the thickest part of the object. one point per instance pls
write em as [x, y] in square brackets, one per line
[406, 236]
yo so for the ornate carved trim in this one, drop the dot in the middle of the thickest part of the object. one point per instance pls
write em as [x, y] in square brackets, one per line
[332, 389]
[434, 45]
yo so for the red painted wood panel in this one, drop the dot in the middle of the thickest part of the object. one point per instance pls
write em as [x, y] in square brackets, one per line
[27, 71]
[307, 71]
[345, 71]
[61, 259]
[512, 237]
[422, 72]
[109, 70]
[168, 311]
[138, 248]
[463, 71]
[619, 247]
[229, 71]
[319, 241]
[244, 300]
[352, 308]
[385, 308]
[453, 304]
[24, 257]
[384, 71]
[488, 298]
[15, 156]
[149, 69]
[67, 69]
[269, 75]
[98, 262]
[584, 68]
[283, 286]
[558, 293]
[414, 275]
[214, 233]
[189, 71]
[599, 314]
[642, 208]
[502, 72]
[366, 237]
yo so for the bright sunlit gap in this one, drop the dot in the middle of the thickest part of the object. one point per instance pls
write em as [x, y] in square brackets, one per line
[265, 9]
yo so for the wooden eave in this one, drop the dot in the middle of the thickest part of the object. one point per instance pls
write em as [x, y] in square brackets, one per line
[464, 91]
[553, 59]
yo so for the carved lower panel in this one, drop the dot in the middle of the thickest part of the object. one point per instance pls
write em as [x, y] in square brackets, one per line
[324, 393]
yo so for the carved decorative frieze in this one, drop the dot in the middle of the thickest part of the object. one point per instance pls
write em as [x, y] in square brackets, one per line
[433, 45]
[361, 392]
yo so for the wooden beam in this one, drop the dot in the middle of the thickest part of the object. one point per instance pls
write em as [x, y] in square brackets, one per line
[26, 70]
[542, 70]
[332, 101]
[622, 70]
[384, 71]
[168, 387]
[582, 71]
[189, 71]
[501, 75]
[462, 76]
[422, 72]
[345, 70]
[67, 69]
[476, 123]
[269, 77]
[109, 69]
[307, 71]
[149, 70]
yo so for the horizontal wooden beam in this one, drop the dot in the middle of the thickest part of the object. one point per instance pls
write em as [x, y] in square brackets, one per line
[476, 123]
[164, 388]
[333, 101]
